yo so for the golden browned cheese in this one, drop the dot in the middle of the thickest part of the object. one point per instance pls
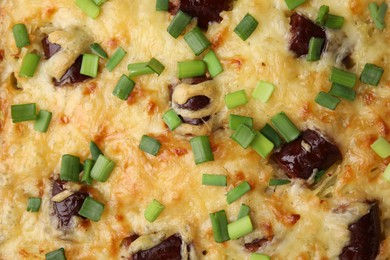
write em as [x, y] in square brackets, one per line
[88, 111]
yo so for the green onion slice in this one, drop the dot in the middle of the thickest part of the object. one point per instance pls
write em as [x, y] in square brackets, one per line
[171, 119]
[322, 14]
[116, 58]
[89, 8]
[386, 174]
[153, 210]
[189, 69]
[178, 24]
[262, 145]
[124, 87]
[95, 151]
[382, 147]
[213, 64]
[29, 65]
[246, 27]
[327, 100]
[257, 256]
[70, 168]
[58, 254]
[156, 66]
[102, 168]
[20, 35]
[286, 127]
[240, 228]
[278, 182]
[371, 74]
[23, 112]
[236, 99]
[99, 2]
[98, 50]
[271, 135]
[244, 211]
[88, 165]
[292, 4]
[149, 145]
[90, 65]
[343, 77]
[201, 149]
[162, 5]
[263, 91]
[219, 224]
[214, 180]
[43, 121]
[91, 209]
[236, 120]
[33, 204]
[315, 45]
[138, 69]
[197, 41]
[244, 135]
[342, 92]
[237, 192]
[334, 21]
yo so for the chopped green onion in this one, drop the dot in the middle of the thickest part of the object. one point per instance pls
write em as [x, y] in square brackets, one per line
[257, 256]
[162, 5]
[124, 87]
[138, 69]
[189, 69]
[197, 41]
[88, 164]
[58, 254]
[219, 223]
[214, 180]
[178, 24]
[156, 66]
[235, 121]
[244, 135]
[213, 64]
[342, 92]
[90, 65]
[102, 168]
[202, 149]
[263, 91]
[271, 135]
[70, 168]
[20, 35]
[262, 145]
[95, 151]
[240, 228]
[98, 50]
[334, 21]
[382, 147]
[115, 59]
[43, 121]
[149, 145]
[342, 77]
[371, 74]
[33, 204]
[327, 100]
[153, 210]
[29, 65]
[322, 14]
[238, 191]
[236, 99]
[292, 4]
[91, 209]
[246, 27]
[286, 128]
[89, 8]
[378, 14]
[244, 211]
[171, 119]
[23, 112]
[315, 46]
[386, 174]
[278, 182]
[319, 175]
[99, 2]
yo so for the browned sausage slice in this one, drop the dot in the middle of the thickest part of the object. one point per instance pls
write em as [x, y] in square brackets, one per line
[49, 49]
[169, 249]
[72, 75]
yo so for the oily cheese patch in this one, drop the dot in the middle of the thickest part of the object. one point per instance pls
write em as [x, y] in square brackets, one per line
[297, 221]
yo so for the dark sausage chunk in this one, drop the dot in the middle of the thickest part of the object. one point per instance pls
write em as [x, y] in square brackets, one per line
[69, 207]
[195, 121]
[255, 244]
[168, 249]
[365, 237]
[72, 75]
[302, 29]
[49, 48]
[298, 161]
[196, 80]
[127, 241]
[348, 62]
[196, 103]
[206, 10]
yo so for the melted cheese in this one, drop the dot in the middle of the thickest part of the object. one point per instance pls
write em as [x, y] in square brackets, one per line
[89, 111]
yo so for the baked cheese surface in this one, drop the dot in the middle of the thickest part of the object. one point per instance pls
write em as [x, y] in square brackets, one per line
[296, 221]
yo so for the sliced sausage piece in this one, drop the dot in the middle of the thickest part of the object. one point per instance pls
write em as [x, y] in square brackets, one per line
[310, 151]
[196, 103]
[302, 29]
[69, 207]
[195, 121]
[205, 10]
[168, 249]
[127, 241]
[255, 244]
[72, 75]
[49, 48]
[365, 237]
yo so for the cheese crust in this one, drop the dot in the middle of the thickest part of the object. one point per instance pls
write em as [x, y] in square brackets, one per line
[88, 111]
